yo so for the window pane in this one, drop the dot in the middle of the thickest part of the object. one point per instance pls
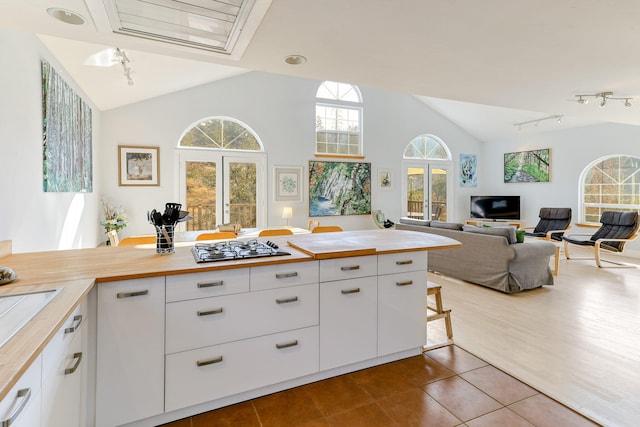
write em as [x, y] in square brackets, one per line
[219, 133]
[201, 195]
[242, 193]
[426, 147]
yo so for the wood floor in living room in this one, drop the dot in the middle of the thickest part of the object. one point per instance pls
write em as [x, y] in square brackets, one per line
[577, 341]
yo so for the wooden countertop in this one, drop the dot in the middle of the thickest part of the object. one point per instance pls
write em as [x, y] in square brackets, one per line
[76, 271]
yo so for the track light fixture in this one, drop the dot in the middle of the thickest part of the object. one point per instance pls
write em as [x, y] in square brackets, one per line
[536, 122]
[124, 61]
[604, 97]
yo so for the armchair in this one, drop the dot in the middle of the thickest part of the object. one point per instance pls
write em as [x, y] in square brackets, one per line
[552, 225]
[617, 229]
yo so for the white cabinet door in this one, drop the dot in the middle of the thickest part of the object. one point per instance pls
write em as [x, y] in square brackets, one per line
[348, 321]
[62, 362]
[21, 406]
[402, 313]
[130, 350]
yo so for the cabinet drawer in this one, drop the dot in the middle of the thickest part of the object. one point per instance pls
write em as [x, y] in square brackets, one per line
[403, 261]
[211, 321]
[20, 403]
[58, 346]
[214, 372]
[275, 276]
[348, 268]
[207, 284]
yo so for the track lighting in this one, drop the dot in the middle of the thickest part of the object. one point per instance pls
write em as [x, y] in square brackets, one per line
[604, 97]
[536, 122]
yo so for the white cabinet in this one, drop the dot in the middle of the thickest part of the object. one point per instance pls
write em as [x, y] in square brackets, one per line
[21, 406]
[130, 347]
[62, 372]
[402, 301]
[348, 311]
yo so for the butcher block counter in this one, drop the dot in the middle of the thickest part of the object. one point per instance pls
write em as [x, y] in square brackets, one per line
[76, 272]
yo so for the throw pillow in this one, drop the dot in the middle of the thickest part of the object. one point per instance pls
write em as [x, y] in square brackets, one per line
[520, 236]
[508, 233]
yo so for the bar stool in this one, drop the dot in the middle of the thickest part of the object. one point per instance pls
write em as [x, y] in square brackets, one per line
[440, 313]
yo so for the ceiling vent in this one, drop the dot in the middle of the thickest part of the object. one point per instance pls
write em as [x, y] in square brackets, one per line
[225, 27]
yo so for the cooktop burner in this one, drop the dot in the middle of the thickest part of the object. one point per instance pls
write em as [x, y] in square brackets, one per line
[234, 249]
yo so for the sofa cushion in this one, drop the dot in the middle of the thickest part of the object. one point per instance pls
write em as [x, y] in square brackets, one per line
[447, 225]
[413, 221]
[508, 233]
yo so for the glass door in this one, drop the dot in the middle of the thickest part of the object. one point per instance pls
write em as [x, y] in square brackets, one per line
[426, 190]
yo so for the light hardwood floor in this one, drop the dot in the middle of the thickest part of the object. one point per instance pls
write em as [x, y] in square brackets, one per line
[577, 341]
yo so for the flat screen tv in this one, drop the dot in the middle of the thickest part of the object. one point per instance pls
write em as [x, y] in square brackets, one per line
[495, 207]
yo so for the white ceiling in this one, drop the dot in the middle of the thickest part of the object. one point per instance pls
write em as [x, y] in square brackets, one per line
[524, 59]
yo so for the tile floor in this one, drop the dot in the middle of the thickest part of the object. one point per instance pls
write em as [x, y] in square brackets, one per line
[445, 386]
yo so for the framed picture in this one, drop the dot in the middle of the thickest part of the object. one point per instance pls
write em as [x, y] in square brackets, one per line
[468, 170]
[527, 166]
[138, 165]
[385, 180]
[288, 183]
[339, 188]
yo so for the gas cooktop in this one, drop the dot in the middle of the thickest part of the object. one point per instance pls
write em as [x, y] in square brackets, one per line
[235, 249]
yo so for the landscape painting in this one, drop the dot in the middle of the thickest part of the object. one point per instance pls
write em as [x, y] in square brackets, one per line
[339, 188]
[527, 166]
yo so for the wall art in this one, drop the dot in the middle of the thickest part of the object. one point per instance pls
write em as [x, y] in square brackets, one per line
[339, 188]
[288, 183]
[138, 165]
[385, 180]
[468, 170]
[527, 166]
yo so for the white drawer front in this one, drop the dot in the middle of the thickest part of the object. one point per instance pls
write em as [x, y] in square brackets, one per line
[22, 395]
[58, 346]
[211, 321]
[348, 268]
[401, 262]
[213, 372]
[275, 276]
[207, 284]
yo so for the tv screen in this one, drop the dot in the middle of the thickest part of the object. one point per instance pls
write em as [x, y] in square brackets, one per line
[495, 207]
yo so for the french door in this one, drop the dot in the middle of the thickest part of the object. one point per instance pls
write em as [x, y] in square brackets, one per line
[427, 190]
[219, 189]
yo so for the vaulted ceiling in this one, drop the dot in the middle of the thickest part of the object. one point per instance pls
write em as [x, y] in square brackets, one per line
[519, 60]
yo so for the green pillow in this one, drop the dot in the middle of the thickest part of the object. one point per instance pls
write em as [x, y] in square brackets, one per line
[520, 236]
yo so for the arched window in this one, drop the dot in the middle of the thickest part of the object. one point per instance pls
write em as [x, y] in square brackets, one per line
[222, 176]
[338, 119]
[610, 183]
[427, 147]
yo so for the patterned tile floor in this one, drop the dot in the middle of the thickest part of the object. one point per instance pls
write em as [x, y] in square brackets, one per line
[446, 386]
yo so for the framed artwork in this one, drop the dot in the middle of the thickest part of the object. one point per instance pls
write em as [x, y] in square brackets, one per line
[288, 183]
[468, 170]
[527, 166]
[339, 188]
[385, 180]
[138, 165]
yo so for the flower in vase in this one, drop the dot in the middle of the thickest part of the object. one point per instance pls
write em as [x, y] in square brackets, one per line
[115, 218]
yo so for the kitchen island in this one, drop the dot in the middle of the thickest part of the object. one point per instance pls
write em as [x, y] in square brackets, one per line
[362, 261]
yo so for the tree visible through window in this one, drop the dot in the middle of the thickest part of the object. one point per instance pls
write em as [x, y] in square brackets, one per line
[338, 119]
[611, 183]
[220, 133]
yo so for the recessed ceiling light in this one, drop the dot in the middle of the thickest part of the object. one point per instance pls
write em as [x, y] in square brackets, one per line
[66, 16]
[295, 59]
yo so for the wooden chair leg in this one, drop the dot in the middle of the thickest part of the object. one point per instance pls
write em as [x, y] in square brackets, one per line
[440, 312]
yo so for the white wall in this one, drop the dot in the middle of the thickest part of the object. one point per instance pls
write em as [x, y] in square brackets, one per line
[32, 219]
[281, 111]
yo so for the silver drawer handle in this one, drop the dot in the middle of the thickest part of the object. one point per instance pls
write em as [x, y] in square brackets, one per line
[286, 275]
[209, 361]
[350, 291]
[210, 284]
[132, 294]
[210, 312]
[78, 357]
[286, 300]
[23, 394]
[409, 261]
[407, 283]
[287, 344]
[77, 320]
[350, 267]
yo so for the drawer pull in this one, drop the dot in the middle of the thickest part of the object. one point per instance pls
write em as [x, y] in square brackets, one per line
[287, 344]
[77, 320]
[350, 291]
[132, 294]
[210, 312]
[24, 395]
[407, 283]
[209, 361]
[286, 300]
[210, 284]
[286, 275]
[71, 370]
[350, 267]
[406, 262]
